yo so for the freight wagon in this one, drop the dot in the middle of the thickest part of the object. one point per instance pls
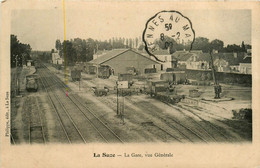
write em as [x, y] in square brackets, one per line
[92, 69]
[150, 70]
[163, 91]
[31, 83]
[104, 71]
[126, 77]
[75, 75]
[177, 77]
[131, 70]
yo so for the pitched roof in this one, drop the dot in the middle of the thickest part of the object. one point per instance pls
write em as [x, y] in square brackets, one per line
[108, 55]
[161, 52]
[182, 56]
[100, 52]
[204, 57]
[247, 60]
[114, 53]
[231, 58]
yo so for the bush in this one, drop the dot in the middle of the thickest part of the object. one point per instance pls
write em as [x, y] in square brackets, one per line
[243, 114]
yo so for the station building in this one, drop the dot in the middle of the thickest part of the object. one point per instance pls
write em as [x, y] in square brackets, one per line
[121, 60]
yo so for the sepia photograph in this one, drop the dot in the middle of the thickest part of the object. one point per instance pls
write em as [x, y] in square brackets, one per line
[181, 77]
[160, 84]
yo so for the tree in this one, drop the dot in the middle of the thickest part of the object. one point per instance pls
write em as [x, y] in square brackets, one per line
[233, 48]
[136, 42]
[201, 43]
[69, 52]
[217, 45]
[141, 47]
[131, 43]
[20, 52]
[127, 43]
[77, 46]
[243, 46]
[58, 45]
[169, 43]
[91, 45]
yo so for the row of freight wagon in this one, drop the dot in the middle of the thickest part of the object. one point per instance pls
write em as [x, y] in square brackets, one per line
[103, 71]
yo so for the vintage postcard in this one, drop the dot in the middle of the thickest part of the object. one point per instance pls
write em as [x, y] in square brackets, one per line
[129, 84]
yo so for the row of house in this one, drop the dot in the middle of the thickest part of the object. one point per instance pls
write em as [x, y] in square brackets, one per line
[223, 62]
[122, 59]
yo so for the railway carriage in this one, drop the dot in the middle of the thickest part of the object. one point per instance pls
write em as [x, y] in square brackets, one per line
[104, 71]
[31, 83]
[75, 75]
[163, 91]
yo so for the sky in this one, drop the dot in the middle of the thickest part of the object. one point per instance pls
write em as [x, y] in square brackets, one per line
[41, 28]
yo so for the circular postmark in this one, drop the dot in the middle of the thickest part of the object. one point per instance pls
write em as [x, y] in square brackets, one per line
[168, 30]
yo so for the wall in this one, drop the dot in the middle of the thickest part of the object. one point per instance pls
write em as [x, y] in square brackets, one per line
[245, 68]
[223, 77]
[129, 59]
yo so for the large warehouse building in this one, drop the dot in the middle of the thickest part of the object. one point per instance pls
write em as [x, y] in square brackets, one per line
[120, 60]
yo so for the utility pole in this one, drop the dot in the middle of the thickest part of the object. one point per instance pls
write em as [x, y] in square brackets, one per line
[79, 83]
[16, 77]
[212, 68]
[123, 111]
[117, 111]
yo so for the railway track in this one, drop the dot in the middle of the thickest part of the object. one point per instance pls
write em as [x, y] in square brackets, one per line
[180, 130]
[151, 127]
[36, 129]
[104, 131]
[12, 139]
[215, 128]
[208, 127]
[64, 120]
[186, 131]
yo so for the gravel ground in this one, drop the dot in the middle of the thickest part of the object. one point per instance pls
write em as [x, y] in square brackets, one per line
[136, 105]
[146, 119]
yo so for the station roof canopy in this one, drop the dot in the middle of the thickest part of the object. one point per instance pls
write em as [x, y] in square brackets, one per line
[114, 53]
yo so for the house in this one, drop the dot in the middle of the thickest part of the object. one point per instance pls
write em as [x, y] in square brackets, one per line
[223, 62]
[56, 59]
[245, 66]
[193, 60]
[121, 59]
[165, 57]
[29, 63]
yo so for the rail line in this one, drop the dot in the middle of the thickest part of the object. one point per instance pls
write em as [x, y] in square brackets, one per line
[178, 128]
[39, 127]
[56, 111]
[107, 133]
[207, 122]
[12, 139]
[187, 128]
[55, 101]
[154, 125]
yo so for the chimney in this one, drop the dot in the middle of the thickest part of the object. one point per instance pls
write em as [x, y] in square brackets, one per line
[235, 55]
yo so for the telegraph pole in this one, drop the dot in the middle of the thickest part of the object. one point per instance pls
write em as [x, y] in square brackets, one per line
[16, 78]
[212, 68]
[117, 111]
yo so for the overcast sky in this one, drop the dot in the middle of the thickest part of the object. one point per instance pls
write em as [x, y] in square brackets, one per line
[41, 28]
